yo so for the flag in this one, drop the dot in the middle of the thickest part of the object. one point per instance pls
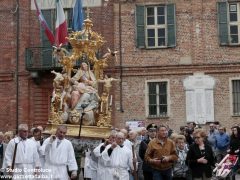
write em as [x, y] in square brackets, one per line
[78, 16]
[44, 25]
[61, 25]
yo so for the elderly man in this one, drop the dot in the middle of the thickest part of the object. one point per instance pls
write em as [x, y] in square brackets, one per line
[59, 156]
[126, 141]
[104, 167]
[120, 158]
[21, 154]
[161, 154]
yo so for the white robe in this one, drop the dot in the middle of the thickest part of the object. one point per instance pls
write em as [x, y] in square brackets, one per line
[87, 169]
[128, 144]
[121, 161]
[26, 160]
[57, 159]
[104, 167]
[41, 157]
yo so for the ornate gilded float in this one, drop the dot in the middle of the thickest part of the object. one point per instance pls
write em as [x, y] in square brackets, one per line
[77, 99]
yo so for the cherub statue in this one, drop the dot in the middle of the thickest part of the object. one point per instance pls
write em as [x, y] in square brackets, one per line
[59, 52]
[107, 83]
[109, 54]
[100, 64]
[58, 80]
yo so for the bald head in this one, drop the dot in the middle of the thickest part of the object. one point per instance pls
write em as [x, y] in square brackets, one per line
[61, 132]
[23, 127]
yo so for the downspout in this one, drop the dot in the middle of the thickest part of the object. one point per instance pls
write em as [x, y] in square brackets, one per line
[120, 55]
[17, 67]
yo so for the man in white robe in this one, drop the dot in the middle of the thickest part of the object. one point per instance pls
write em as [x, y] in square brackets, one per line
[59, 156]
[120, 158]
[104, 167]
[37, 135]
[126, 142]
[27, 163]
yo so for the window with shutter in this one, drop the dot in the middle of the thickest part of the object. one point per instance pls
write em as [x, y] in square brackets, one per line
[155, 26]
[229, 23]
[157, 99]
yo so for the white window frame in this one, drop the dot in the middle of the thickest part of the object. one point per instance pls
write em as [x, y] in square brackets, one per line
[231, 95]
[236, 23]
[147, 99]
[156, 26]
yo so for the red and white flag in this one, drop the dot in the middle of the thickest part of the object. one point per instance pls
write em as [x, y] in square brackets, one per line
[44, 24]
[61, 25]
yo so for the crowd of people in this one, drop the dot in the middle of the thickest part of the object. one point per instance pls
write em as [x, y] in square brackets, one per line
[159, 153]
[152, 153]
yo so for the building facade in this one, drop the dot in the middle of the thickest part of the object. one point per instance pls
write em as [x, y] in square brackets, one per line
[178, 61]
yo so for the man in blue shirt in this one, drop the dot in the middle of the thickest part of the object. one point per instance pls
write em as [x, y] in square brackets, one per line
[222, 143]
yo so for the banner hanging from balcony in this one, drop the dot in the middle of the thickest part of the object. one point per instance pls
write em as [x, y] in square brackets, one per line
[61, 25]
[44, 25]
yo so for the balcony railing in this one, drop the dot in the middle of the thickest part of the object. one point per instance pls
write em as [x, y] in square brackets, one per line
[41, 59]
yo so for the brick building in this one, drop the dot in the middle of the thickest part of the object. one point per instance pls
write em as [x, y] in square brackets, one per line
[178, 61]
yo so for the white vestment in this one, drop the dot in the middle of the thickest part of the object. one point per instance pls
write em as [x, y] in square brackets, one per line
[128, 144]
[87, 169]
[41, 157]
[26, 159]
[58, 156]
[121, 161]
[104, 167]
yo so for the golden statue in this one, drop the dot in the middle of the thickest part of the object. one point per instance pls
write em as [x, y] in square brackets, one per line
[75, 91]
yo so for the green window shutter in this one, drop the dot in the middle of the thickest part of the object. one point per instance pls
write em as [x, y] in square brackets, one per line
[47, 48]
[223, 23]
[48, 16]
[171, 25]
[140, 26]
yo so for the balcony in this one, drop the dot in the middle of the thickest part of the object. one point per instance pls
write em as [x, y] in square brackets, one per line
[41, 59]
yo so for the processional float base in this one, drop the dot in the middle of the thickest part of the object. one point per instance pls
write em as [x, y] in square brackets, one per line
[86, 131]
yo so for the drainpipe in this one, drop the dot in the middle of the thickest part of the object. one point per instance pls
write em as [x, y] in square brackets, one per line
[17, 66]
[120, 55]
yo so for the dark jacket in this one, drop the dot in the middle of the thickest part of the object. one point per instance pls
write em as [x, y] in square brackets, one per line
[142, 151]
[198, 169]
[234, 145]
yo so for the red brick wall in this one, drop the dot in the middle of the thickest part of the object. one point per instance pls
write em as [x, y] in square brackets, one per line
[197, 40]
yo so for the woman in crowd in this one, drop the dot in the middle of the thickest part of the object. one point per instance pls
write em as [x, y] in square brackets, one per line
[235, 145]
[200, 157]
[235, 140]
[180, 168]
